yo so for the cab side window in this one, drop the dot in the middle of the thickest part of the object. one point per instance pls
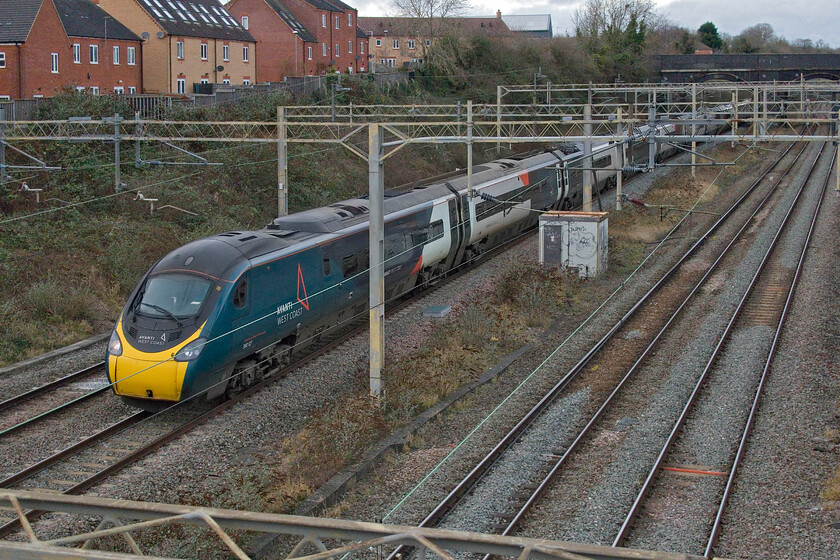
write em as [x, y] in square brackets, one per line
[350, 265]
[240, 294]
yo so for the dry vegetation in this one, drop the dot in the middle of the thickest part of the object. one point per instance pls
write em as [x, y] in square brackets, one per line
[500, 319]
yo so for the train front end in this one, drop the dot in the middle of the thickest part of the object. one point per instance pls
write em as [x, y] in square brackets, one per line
[161, 349]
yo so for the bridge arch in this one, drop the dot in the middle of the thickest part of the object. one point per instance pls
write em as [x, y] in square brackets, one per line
[720, 76]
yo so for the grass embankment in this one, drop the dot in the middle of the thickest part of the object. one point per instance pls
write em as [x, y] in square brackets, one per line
[498, 320]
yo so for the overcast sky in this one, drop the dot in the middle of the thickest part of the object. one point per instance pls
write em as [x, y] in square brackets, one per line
[792, 19]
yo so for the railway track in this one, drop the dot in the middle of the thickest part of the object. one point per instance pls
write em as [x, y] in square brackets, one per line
[764, 305]
[87, 463]
[659, 306]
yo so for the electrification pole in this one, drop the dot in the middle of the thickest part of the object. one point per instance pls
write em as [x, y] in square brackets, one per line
[376, 184]
[282, 164]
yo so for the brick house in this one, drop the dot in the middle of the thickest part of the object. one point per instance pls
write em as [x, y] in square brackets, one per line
[402, 41]
[187, 42]
[363, 48]
[48, 44]
[325, 40]
[285, 45]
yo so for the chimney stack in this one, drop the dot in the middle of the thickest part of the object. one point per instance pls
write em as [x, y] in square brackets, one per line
[498, 14]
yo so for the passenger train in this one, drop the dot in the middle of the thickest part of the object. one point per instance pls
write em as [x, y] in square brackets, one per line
[218, 314]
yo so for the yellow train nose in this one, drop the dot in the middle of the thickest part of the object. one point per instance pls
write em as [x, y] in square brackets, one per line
[147, 379]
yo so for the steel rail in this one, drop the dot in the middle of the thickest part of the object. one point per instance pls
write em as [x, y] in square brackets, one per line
[149, 448]
[548, 479]
[672, 437]
[8, 403]
[56, 409]
[73, 449]
[478, 472]
[159, 442]
[764, 374]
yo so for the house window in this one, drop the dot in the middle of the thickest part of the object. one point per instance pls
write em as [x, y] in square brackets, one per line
[226, 53]
[323, 20]
[379, 42]
[324, 49]
[94, 54]
[80, 89]
[392, 62]
[245, 22]
[226, 81]
[119, 90]
[2, 59]
[362, 48]
[54, 63]
[179, 49]
[205, 80]
[308, 53]
[337, 54]
[77, 53]
[131, 55]
[6, 97]
[246, 82]
[396, 43]
[132, 90]
[349, 20]
[245, 53]
[94, 90]
[182, 85]
[336, 22]
[350, 47]
[428, 42]
[116, 54]
[411, 43]
[349, 69]
[203, 51]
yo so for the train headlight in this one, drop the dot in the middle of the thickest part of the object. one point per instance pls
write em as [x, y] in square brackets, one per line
[191, 351]
[115, 345]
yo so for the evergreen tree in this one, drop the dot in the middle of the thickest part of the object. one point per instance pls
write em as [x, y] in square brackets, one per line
[709, 35]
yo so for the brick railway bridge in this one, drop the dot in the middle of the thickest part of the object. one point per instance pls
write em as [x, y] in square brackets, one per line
[683, 68]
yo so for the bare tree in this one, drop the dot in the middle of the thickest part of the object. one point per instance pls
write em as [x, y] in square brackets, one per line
[614, 32]
[430, 17]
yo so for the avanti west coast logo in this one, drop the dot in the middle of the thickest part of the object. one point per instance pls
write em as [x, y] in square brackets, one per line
[288, 310]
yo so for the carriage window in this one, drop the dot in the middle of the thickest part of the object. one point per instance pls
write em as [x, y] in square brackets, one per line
[240, 294]
[326, 266]
[350, 265]
[603, 162]
[437, 229]
[395, 244]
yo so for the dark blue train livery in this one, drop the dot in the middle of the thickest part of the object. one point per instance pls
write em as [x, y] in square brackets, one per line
[218, 314]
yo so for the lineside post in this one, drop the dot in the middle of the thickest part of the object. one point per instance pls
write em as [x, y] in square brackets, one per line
[138, 129]
[2, 146]
[837, 145]
[117, 141]
[619, 173]
[469, 147]
[282, 164]
[376, 183]
[499, 119]
[587, 160]
[694, 129]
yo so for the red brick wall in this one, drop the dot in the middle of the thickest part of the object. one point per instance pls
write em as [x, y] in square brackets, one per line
[106, 75]
[276, 44]
[9, 76]
[46, 37]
